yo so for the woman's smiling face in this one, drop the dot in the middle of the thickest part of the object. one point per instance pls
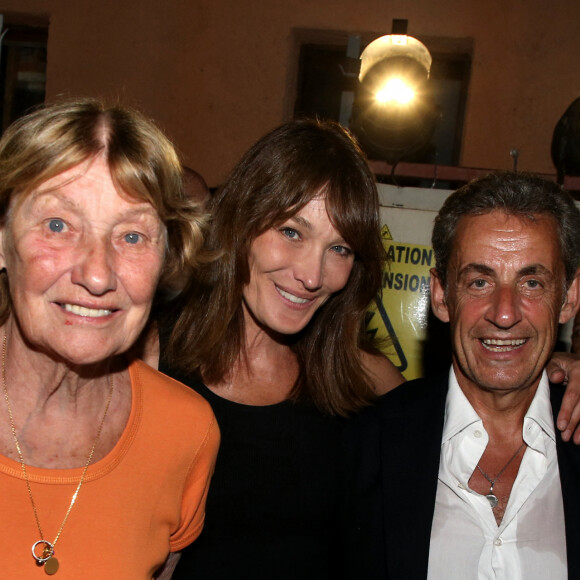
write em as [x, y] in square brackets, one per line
[83, 264]
[294, 268]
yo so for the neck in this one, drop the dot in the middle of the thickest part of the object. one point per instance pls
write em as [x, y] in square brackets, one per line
[502, 414]
[261, 344]
[501, 411]
[44, 378]
[57, 409]
[265, 371]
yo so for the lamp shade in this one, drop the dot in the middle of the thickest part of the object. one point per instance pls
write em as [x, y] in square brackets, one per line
[393, 112]
[394, 46]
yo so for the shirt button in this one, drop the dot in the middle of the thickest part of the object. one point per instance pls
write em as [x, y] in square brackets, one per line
[498, 542]
[477, 433]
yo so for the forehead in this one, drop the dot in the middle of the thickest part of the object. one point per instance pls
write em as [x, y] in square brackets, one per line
[316, 206]
[314, 217]
[87, 183]
[500, 240]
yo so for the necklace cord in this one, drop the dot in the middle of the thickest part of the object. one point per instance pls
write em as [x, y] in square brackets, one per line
[49, 547]
[492, 482]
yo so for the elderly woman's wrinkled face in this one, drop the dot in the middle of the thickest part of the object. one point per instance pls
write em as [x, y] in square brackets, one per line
[83, 264]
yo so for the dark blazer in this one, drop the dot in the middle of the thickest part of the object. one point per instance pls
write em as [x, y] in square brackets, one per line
[392, 467]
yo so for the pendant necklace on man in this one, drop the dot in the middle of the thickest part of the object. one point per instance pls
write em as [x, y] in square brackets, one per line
[491, 497]
[43, 551]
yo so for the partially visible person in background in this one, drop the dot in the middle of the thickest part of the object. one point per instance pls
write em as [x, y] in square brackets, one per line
[195, 186]
[272, 335]
[104, 462]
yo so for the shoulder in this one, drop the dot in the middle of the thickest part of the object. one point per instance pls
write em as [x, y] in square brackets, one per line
[170, 425]
[414, 395]
[401, 417]
[168, 395]
[382, 372]
[411, 397]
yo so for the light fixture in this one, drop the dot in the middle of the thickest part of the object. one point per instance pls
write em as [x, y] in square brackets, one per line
[393, 112]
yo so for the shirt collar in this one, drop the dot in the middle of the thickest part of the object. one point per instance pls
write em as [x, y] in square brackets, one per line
[459, 414]
[540, 411]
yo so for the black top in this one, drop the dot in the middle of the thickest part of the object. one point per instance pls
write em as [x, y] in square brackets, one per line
[272, 508]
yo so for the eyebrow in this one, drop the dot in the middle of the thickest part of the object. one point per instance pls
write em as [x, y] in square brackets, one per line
[301, 221]
[475, 268]
[530, 270]
[536, 269]
[144, 206]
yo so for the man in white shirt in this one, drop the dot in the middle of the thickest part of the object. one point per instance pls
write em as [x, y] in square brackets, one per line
[469, 480]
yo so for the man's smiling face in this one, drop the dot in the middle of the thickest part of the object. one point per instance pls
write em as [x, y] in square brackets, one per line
[505, 296]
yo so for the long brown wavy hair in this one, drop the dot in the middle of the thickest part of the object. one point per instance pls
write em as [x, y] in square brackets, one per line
[277, 177]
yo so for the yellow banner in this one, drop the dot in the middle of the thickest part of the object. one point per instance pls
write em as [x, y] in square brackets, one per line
[399, 317]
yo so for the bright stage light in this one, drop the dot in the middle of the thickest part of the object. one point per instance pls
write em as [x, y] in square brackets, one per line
[395, 90]
[393, 113]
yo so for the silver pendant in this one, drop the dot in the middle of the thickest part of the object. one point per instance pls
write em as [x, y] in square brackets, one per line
[492, 499]
[47, 551]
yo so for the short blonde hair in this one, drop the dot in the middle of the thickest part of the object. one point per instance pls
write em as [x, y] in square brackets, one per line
[143, 164]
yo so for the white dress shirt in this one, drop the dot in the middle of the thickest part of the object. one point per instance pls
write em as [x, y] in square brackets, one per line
[466, 542]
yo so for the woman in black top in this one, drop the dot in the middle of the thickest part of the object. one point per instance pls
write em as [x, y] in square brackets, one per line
[272, 334]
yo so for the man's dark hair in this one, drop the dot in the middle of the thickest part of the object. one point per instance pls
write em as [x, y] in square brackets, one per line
[519, 194]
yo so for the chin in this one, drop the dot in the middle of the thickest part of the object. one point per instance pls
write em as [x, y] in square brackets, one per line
[290, 329]
[508, 384]
[83, 355]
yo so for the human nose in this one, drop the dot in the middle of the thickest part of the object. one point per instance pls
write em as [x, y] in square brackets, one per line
[504, 310]
[309, 270]
[93, 267]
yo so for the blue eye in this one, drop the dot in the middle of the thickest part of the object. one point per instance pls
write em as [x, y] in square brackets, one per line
[132, 238]
[56, 225]
[290, 233]
[342, 250]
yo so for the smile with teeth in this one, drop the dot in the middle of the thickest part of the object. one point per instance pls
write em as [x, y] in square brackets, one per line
[86, 312]
[497, 345]
[291, 297]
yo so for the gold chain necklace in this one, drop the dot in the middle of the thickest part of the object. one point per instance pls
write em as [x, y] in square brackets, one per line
[47, 558]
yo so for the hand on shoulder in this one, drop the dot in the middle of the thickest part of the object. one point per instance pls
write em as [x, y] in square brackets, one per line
[565, 368]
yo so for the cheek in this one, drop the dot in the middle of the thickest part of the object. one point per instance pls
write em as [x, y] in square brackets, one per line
[268, 252]
[262, 261]
[467, 308]
[35, 270]
[338, 275]
[545, 316]
[140, 279]
[464, 316]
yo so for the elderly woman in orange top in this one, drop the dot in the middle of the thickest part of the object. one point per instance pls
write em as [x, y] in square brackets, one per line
[104, 462]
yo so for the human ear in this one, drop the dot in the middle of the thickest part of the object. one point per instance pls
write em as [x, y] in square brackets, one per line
[571, 300]
[438, 298]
